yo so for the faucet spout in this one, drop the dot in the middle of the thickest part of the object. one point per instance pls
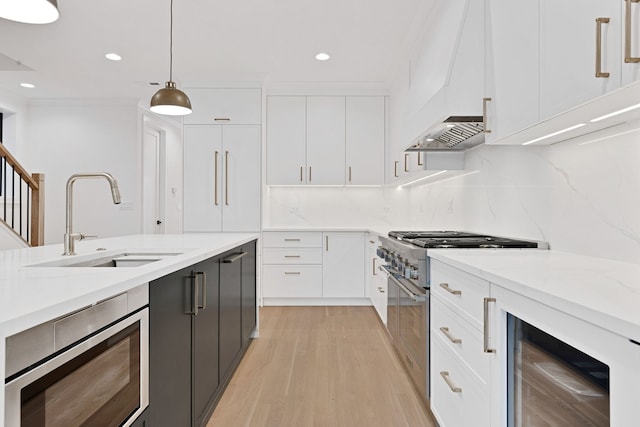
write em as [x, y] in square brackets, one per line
[69, 236]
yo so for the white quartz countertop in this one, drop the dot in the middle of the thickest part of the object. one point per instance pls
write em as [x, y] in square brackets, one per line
[600, 291]
[32, 295]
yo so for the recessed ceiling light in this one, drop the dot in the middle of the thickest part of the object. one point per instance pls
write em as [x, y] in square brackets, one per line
[430, 139]
[113, 56]
[27, 85]
[322, 56]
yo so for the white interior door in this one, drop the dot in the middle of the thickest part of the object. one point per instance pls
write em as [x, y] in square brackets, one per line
[152, 170]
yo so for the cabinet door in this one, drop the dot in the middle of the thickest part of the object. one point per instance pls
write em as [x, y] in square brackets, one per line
[568, 58]
[514, 50]
[205, 339]
[202, 178]
[248, 292]
[230, 310]
[365, 129]
[326, 140]
[343, 265]
[170, 350]
[241, 178]
[631, 14]
[237, 106]
[286, 140]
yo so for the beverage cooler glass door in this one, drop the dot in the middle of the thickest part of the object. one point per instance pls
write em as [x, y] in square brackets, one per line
[552, 369]
[102, 381]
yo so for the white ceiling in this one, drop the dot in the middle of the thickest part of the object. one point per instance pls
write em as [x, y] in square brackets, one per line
[234, 40]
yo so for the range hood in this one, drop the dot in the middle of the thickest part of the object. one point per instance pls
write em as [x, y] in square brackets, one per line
[456, 133]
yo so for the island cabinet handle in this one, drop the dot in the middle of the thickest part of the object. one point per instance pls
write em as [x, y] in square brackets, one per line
[450, 337]
[486, 326]
[194, 293]
[202, 274]
[446, 287]
[445, 377]
[234, 258]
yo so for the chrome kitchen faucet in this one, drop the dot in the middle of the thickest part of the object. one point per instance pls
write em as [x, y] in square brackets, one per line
[69, 236]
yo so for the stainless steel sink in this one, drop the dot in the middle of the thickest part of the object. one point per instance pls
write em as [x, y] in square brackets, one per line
[120, 259]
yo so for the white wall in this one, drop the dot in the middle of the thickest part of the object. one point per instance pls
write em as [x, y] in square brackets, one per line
[581, 196]
[357, 207]
[14, 109]
[66, 137]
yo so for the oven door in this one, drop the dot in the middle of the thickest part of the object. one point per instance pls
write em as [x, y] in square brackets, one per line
[101, 381]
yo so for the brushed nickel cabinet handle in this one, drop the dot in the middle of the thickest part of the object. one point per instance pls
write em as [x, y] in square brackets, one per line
[628, 58]
[309, 173]
[215, 179]
[301, 170]
[233, 258]
[226, 178]
[203, 306]
[349, 173]
[445, 376]
[291, 240]
[374, 266]
[484, 114]
[326, 243]
[292, 273]
[395, 168]
[486, 326]
[194, 294]
[599, 72]
[406, 166]
[221, 119]
[292, 256]
[446, 287]
[450, 337]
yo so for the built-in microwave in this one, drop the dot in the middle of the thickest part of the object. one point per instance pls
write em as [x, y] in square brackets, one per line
[552, 368]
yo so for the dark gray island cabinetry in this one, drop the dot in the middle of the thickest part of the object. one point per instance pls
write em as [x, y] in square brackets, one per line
[201, 319]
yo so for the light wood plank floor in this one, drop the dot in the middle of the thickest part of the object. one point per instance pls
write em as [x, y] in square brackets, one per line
[323, 367]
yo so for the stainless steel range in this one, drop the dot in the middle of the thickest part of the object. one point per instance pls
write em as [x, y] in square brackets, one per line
[406, 255]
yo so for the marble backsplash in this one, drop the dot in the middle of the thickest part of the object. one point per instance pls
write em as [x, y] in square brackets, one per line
[581, 196]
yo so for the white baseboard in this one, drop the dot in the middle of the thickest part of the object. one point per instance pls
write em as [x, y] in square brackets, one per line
[316, 301]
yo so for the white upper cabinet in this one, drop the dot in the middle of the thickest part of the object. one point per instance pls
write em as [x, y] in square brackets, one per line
[286, 140]
[326, 140]
[575, 64]
[365, 140]
[224, 106]
[631, 41]
[512, 67]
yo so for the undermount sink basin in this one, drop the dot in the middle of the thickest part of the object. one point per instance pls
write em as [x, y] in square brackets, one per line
[120, 259]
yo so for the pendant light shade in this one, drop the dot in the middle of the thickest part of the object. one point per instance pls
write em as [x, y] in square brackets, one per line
[30, 11]
[170, 100]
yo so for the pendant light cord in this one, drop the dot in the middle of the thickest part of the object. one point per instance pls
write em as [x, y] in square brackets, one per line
[171, 43]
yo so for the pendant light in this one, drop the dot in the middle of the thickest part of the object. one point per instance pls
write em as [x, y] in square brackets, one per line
[170, 100]
[29, 11]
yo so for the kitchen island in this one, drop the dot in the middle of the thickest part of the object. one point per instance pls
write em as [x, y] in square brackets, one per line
[35, 288]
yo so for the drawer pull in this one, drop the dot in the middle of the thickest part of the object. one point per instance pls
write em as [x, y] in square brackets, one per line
[292, 256]
[291, 240]
[446, 287]
[447, 334]
[445, 376]
[292, 273]
[222, 119]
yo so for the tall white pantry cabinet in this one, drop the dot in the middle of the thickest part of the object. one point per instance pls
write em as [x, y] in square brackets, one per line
[222, 160]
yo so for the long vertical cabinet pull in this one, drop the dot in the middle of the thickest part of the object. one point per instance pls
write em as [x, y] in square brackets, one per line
[374, 267]
[309, 173]
[406, 162]
[484, 114]
[326, 243]
[486, 326]
[215, 179]
[204, 289]
[627, 33]
[194, 293]
[599, 72]
[395, 169]
[226, 178]
[301, 172]
[420, 162]
[349, 173]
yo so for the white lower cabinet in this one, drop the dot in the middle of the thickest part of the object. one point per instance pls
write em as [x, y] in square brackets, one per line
[376, 279]
[306, 268]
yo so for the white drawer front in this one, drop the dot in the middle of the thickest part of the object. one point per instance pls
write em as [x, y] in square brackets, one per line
[461, 289]
[295, 281]
[464, 340]
[291, 239]
[292, 256]
[464, 399]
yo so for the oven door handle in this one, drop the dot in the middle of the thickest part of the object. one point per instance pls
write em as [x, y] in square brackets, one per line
[415, 297]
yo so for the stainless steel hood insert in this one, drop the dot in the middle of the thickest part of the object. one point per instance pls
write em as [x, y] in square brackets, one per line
[456, 133]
